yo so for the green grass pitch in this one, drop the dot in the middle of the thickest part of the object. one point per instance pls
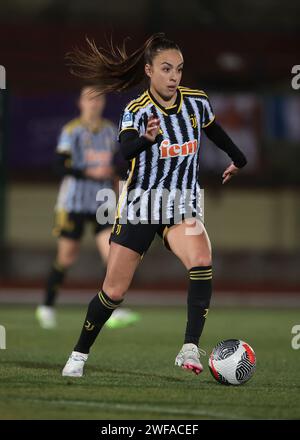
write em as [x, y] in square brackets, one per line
[131, 372]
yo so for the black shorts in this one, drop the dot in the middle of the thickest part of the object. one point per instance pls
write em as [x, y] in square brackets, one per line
[140, 236]
[72, 224]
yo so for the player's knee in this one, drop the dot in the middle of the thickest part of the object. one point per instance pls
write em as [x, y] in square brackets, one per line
[116, 291]
[116, 294]
[67, 252]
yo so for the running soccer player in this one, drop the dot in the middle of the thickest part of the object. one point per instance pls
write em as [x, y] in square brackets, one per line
[160, 134]
[85, 160]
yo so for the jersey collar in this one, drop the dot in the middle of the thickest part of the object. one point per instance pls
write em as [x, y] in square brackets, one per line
[98, 127]
[175, 108]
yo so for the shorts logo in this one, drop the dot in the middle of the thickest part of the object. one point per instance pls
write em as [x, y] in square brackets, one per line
[174, 150]
[118, 230]
[127, 120]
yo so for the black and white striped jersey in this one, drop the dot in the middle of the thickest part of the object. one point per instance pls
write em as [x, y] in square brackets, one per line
[163, 178]
[86, 149]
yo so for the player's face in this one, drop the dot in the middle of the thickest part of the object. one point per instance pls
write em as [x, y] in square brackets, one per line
[165, 72]
[91, 104]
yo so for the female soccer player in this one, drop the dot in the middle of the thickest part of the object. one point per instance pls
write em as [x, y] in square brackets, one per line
[160, 134]
[85, 161]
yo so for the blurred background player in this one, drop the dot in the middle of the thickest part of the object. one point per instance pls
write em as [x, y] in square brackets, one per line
[85, 161]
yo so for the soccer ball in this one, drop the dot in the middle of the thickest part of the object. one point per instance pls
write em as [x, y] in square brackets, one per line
[232, 362]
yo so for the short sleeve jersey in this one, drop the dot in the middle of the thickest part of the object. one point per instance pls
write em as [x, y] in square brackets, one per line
[86, 149]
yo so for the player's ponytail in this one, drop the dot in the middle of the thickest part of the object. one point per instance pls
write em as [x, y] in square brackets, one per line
[112, 69]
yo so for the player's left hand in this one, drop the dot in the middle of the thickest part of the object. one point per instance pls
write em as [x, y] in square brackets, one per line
[229, 172]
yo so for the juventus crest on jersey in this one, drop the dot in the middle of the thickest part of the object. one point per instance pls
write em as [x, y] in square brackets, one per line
[162, 182]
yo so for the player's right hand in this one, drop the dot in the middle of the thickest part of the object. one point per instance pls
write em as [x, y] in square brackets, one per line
[152, 129]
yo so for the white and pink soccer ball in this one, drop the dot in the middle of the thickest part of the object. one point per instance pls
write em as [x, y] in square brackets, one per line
[232, 362]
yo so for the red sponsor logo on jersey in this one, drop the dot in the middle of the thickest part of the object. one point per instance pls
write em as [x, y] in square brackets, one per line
[173, 150]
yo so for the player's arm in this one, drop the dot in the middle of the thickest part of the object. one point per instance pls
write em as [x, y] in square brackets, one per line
[63, 163]
[120, 165]
[218, 136]
[221, 139]
[132, 144]
[63, 166]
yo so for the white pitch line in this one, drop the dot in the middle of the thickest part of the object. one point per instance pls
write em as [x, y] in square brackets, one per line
[135, 408]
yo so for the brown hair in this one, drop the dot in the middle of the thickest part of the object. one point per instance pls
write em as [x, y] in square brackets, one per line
[112, 69]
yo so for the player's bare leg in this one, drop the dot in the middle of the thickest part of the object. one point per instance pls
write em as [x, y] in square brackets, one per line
[121, 317]
[121, 266]
[102, 242]
[191, 244]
